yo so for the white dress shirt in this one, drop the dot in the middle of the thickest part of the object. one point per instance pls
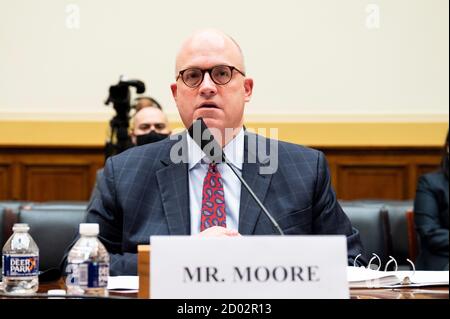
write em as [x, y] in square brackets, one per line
[198, 168]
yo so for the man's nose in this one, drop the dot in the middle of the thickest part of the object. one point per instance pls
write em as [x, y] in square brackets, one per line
[207, 87]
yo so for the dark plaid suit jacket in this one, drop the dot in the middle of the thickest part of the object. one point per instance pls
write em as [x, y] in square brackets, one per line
[141, 192]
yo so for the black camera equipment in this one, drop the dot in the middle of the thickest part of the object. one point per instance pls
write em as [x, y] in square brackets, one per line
[119, 96]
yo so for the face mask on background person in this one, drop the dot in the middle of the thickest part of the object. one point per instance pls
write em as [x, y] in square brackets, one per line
[151, 137]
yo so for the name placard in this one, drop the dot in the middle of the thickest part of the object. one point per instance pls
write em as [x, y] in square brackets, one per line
[189, 267]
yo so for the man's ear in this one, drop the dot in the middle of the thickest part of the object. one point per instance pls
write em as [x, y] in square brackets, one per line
[173, 88]
[248, 87]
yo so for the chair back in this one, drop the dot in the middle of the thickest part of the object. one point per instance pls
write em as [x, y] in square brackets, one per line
[399, 231]
[8, 216]
[413, 236]
[372, 223]
[53, 230]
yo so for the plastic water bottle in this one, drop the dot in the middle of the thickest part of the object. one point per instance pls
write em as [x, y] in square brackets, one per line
[88, 264]
[20, 257]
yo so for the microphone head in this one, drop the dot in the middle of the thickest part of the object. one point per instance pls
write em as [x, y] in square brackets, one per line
[203, 137]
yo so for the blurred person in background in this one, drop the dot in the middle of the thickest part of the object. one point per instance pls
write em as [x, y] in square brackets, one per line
[144, 101]
[431, 217]
[149, 124]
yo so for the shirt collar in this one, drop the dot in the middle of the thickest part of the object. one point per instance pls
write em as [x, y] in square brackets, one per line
[234, 151]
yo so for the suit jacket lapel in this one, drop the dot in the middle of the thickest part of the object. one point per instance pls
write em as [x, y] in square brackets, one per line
[249, 210]
[174, 190]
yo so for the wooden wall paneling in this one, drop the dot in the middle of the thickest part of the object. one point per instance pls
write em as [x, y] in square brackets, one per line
[16, 180]
[412, 172]
[53, 173]
[42, 182]
[372, 181]
[5, 181]
[69, 173]
[374, 172]
[58, 176]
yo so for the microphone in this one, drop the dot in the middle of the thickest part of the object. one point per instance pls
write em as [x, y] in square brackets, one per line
[200, 133]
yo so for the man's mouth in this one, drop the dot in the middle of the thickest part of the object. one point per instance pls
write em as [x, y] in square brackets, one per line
[208, 106]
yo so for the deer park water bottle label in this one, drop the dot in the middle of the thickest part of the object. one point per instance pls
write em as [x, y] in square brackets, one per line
[20, 265]
[89, 274]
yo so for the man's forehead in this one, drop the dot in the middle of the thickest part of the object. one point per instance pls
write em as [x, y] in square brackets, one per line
[153, 122]
[209, 47]
[206, 61]
[148, 113]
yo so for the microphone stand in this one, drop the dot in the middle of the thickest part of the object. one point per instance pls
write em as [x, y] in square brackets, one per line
[199, 124]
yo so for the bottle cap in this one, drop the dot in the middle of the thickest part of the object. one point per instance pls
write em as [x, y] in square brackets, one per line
[21, 226]
[54, 292]
[89, 229]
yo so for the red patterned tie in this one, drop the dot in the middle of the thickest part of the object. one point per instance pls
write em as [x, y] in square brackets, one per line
[213, 200]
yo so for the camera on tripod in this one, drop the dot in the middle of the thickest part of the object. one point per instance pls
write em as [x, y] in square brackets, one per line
[119, 96]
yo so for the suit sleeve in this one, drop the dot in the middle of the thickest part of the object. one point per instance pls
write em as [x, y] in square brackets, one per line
[328, 216]
[102, 209]
[105, 210]
[426, 218]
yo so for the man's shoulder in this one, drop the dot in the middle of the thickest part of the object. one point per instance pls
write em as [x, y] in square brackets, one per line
[433, 179]
[151, 152]
[297, 148]
[284, 147]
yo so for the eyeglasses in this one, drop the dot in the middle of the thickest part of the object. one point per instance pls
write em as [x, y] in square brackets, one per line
[220, 74]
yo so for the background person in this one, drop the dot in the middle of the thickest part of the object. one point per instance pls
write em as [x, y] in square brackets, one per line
[149, 125]
[144, 101]
[431, 216]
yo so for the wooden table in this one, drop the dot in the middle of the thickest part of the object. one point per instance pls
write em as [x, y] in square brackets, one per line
[437, 292]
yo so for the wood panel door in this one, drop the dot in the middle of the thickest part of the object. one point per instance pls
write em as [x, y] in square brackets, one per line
[356, 181]
[379, 173]
[5, 181]
[48, 174]
[56, 182]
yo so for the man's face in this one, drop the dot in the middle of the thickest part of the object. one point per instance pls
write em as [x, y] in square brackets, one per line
[221, 106]
[149, 119]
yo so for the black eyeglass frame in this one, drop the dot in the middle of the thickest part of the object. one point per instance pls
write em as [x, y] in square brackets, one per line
[232, 68]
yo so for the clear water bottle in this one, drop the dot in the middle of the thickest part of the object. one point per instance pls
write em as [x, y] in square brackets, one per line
[20, 257]
[88, 264]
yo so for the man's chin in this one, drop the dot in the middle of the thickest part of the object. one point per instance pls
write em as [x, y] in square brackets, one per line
[214, 125]
[212, 122]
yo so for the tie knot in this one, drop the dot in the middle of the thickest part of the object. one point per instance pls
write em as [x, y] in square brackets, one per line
[212, 168]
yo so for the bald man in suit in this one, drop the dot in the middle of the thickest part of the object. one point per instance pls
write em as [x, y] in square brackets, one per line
[144, 191]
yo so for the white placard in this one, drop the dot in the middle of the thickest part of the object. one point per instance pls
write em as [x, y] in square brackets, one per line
[189, 267]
